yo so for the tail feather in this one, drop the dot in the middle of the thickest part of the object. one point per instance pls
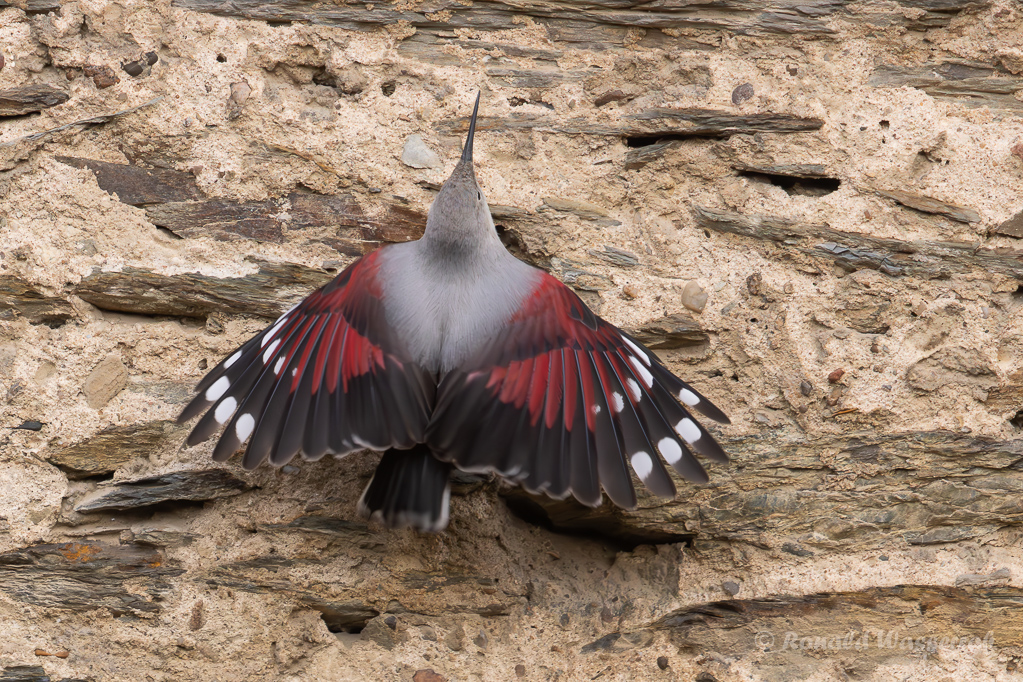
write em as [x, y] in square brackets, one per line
[410, 488]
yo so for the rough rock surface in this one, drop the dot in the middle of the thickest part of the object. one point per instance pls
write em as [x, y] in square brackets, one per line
[839, 182]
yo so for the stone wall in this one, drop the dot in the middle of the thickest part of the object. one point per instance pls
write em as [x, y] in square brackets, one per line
[812, 210]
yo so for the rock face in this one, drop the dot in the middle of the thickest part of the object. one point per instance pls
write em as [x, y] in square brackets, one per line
[809, 209]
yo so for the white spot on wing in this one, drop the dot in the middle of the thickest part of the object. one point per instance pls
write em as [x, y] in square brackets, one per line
[639, 351]
[277, 365]
[233, 359]
[243, 427]
[688, 430]
[642, 371]
[218, 389]
[268, 353]
[595, 409]
[273, 330]
[634, 391]
[671, 450]
[619, 402]
[643, 465]
[688, 397]
[225, 410]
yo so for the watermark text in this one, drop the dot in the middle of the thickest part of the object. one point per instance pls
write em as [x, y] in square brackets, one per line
[858, 640]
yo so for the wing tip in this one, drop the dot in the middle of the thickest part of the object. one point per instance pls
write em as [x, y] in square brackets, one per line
[700, 477]
[193, 409]
[708, 446]
[713, 412]
[250, 462]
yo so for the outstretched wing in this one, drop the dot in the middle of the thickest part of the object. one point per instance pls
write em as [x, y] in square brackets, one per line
[327, 376]
[564, 402]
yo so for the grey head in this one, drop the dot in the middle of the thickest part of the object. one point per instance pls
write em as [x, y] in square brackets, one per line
[460, 218]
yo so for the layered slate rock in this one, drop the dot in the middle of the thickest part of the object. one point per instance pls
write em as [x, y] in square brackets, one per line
[137, 185]
[927, 260]
[673, 331]
[592, 25]
[927, 204]
[32, 6]
[20, 298]
[267, 293]
[172, 200]
[916, 488]
[645, 126]
[357, 232]
[112, 447]
[29, 99]
[873, 627]
[969, 83]
[180, 486]
[81, 576]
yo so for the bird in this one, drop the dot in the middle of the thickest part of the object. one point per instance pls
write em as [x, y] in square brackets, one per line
[450, 353]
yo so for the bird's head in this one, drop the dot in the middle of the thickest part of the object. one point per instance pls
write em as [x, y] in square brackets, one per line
[460, 210]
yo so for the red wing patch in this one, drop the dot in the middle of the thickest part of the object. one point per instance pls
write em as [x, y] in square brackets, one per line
[565, 403]
[325, 377]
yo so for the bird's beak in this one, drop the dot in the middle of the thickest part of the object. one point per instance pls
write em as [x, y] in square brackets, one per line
[467, 149]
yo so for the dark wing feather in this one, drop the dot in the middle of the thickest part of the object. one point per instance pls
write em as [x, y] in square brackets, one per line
[566, 403]
[327, 376]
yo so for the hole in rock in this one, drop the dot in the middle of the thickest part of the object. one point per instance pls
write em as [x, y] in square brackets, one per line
[636, 141]
[808, 187]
